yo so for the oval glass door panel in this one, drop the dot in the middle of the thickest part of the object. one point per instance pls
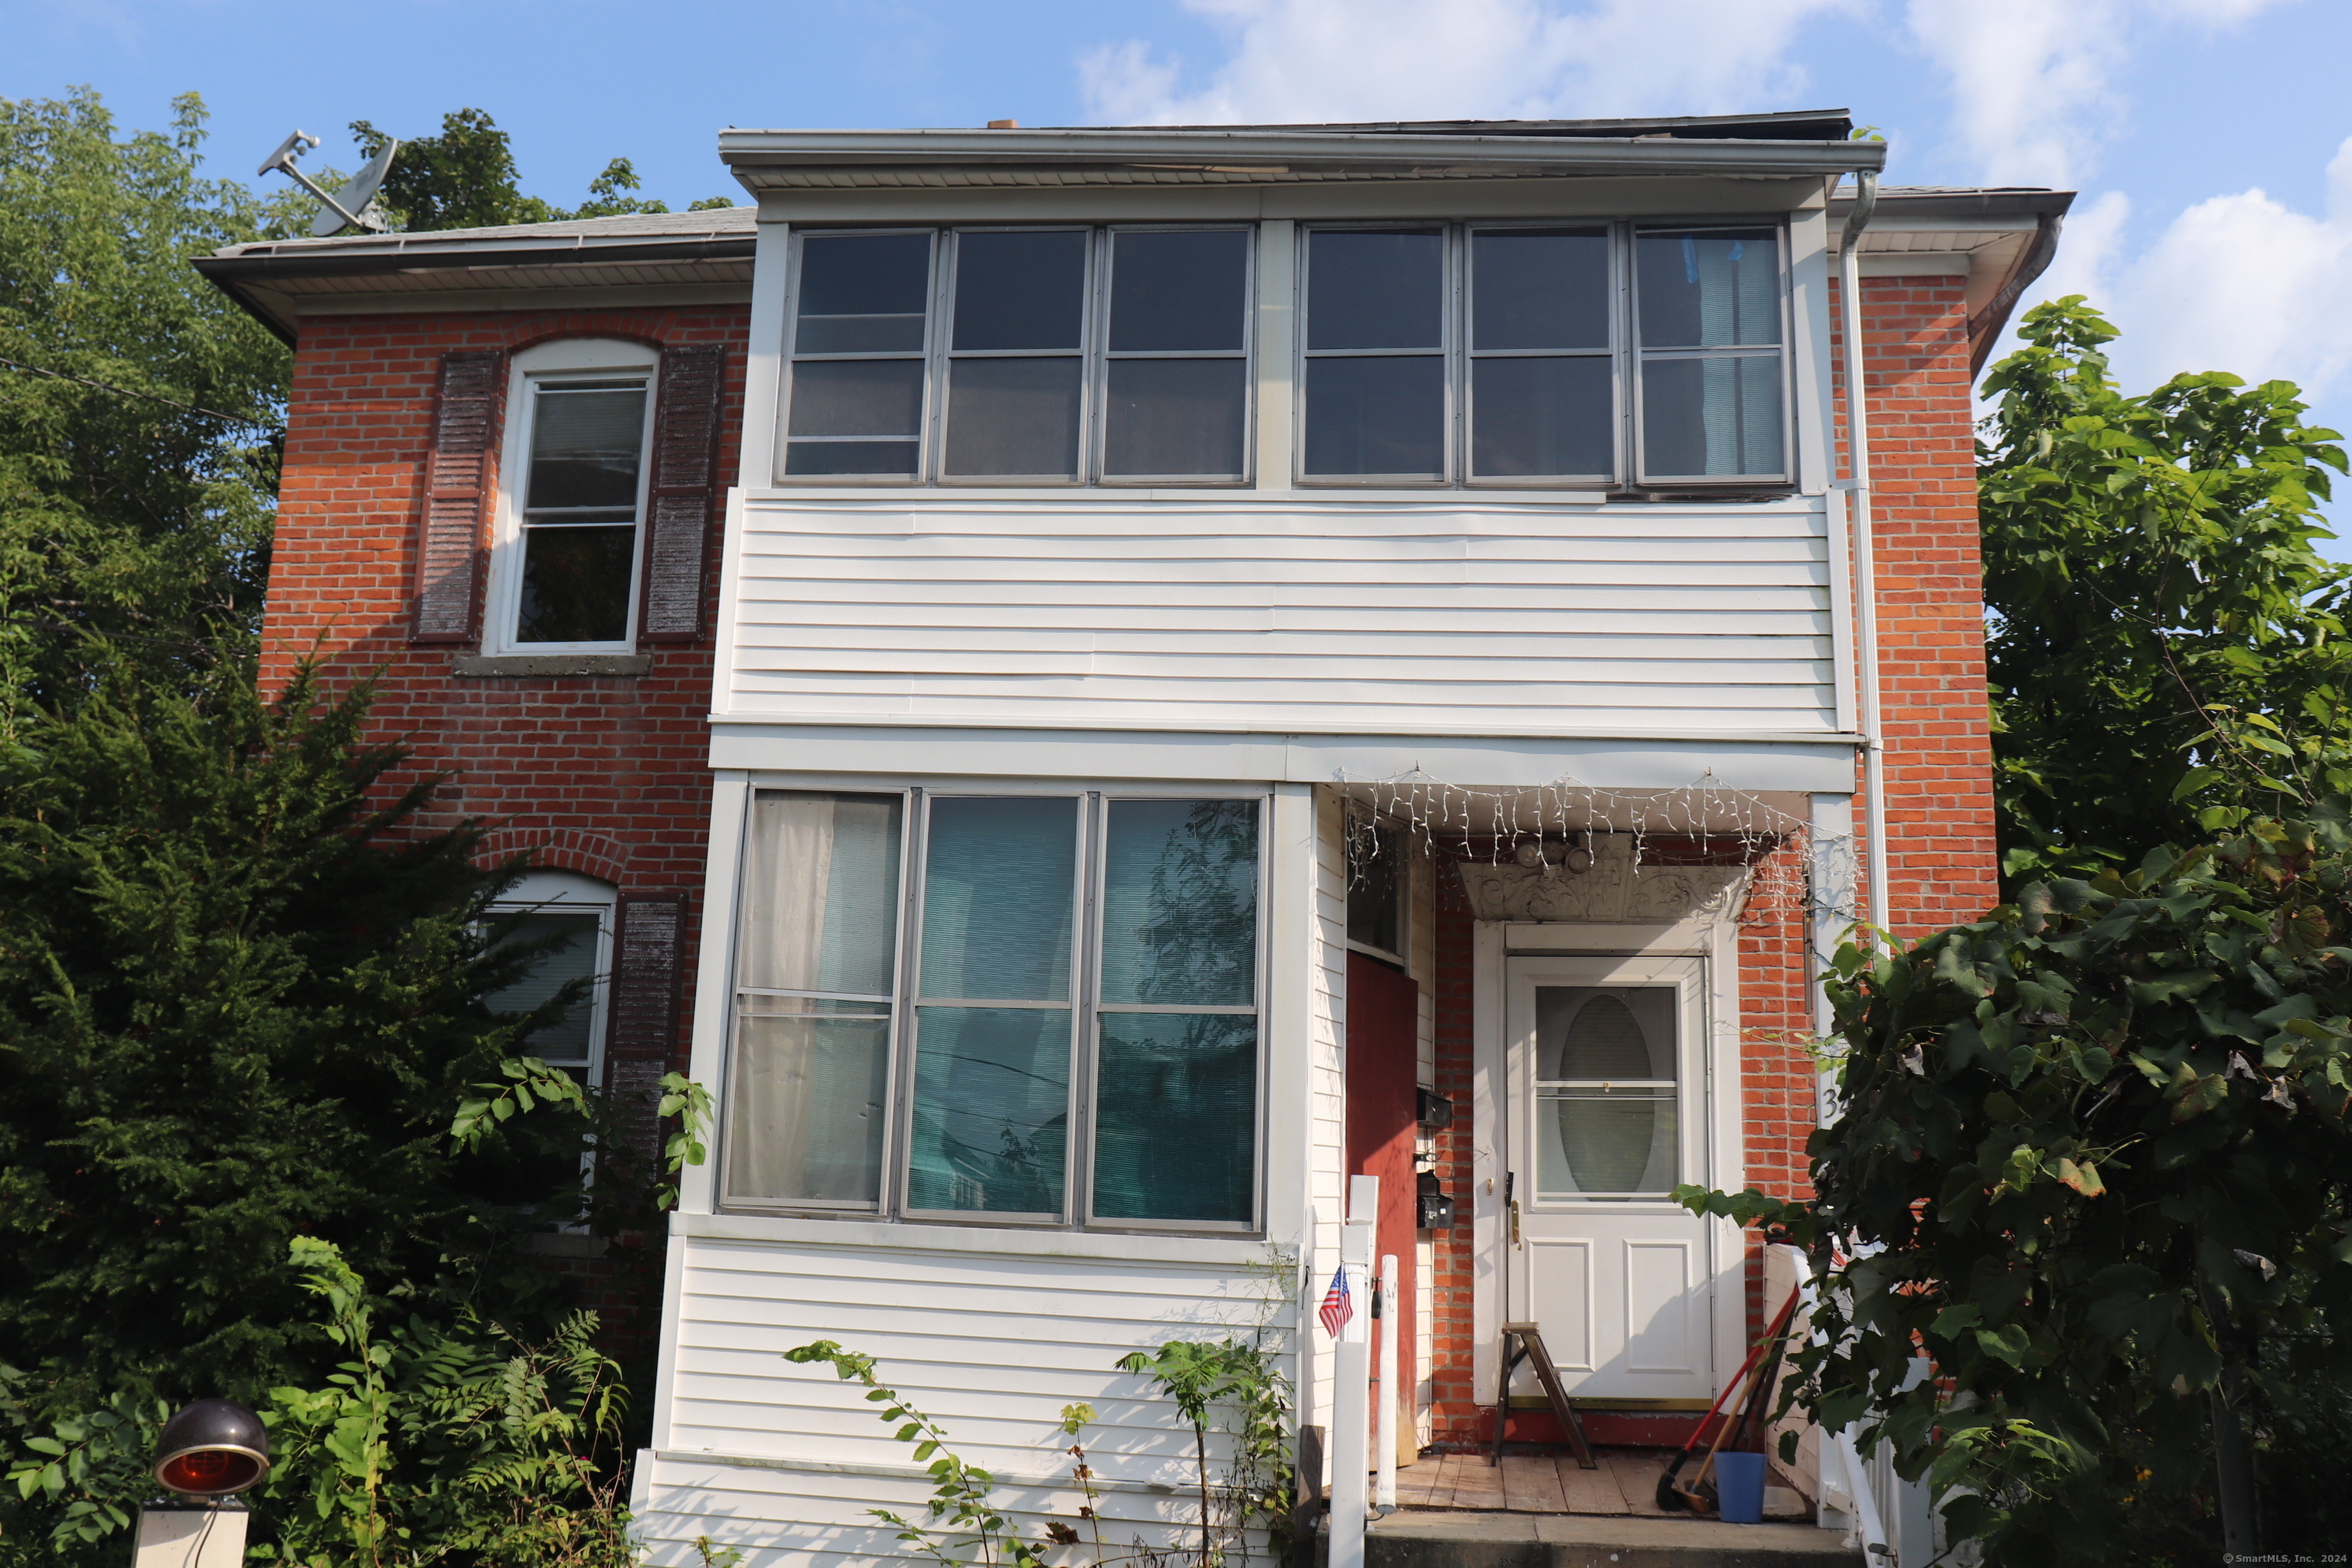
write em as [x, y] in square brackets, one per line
[1607, 1093]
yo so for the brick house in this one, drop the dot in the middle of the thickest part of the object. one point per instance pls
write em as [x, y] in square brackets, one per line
[1381, 624]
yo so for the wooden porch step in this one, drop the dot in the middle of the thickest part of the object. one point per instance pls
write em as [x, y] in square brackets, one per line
[1500, 1540]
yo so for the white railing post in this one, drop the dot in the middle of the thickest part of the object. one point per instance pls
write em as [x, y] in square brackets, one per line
[1385, 1413]
[1352, 1393]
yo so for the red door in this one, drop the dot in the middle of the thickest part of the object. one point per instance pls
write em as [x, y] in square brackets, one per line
[1383, 1109]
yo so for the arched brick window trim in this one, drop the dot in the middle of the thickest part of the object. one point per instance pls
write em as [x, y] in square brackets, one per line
[567, 849]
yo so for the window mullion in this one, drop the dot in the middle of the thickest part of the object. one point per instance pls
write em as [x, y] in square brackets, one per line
[1458, 332]
[1085, 995]
[901, 1142]
[1627, 356]
[944, 254]
[1096, 346]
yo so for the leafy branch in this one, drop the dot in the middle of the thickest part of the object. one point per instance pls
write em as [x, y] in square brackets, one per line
[529, 1083]
[690, 1104]
[960, 1489]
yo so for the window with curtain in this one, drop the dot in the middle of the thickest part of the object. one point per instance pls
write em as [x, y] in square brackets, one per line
[1073, 1038]
[1709, 308]
[1531, 356]
[816, 989]
[1046, 355]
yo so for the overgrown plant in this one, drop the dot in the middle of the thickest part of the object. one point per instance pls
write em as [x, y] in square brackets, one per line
[435, 1444]
[2093, 1159]
[1196, 1376]
[239, 992]
[2166, 646]
[91, 1469]
[961, 1521]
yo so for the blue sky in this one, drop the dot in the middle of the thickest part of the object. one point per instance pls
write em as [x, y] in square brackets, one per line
[2211, 140]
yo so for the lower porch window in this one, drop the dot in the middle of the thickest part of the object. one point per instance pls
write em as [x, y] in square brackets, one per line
[1064, 1031]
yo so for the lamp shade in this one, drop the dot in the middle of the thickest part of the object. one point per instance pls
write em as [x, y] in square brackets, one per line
[212, 1448]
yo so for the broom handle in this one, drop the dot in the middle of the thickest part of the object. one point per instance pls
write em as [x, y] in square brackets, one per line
[1771, 1335]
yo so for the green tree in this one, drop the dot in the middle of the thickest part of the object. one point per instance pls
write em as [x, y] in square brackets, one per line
[466, 178]
[241, 997]
[2093, 1161]
[137, 507]
[2166, 647]
[462, 178]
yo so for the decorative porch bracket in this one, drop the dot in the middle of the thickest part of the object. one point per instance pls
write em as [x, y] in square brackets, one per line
[1615, 888]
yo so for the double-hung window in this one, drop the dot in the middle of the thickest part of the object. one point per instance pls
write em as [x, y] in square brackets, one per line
[1016, 1008]
[576, 496]
[1049, 355]
[1599, 355]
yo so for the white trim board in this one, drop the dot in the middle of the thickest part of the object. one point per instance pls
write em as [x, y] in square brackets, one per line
[1760, 765]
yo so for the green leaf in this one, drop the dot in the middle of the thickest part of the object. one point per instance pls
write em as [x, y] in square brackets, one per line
[2009, 1344]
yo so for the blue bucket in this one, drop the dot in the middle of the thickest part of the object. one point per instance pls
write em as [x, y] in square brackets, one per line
[1740, 1488]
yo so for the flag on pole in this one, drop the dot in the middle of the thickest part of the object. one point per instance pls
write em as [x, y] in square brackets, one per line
[1337, 1307]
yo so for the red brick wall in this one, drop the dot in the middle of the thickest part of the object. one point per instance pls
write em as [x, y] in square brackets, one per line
[605, 776]
[1940, 831]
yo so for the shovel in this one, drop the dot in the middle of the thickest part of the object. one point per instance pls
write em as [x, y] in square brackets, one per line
[1673, 1498]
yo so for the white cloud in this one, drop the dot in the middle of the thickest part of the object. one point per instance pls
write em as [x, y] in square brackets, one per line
[2216, 13]
[2029, 79]
[1375, 60]
[2033, 82]
[2246, 284]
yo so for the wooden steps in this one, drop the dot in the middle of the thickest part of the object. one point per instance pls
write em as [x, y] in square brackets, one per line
[1625, 1486]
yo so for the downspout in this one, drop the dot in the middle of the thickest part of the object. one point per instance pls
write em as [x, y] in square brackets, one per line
[1865, 578]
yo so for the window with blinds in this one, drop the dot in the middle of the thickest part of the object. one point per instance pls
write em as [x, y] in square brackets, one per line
[1067, 1031]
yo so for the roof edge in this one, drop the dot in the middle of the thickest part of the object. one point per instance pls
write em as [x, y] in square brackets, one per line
[749, 152]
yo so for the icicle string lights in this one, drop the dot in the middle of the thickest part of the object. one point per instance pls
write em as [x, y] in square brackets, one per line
[1546, 824]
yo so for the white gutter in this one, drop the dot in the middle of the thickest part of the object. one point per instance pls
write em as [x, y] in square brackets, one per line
[1865, 578]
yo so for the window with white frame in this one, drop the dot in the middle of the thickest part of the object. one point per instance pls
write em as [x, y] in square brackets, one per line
[1039, 1008]
[567, 920]
[565, 576]
[1598, 354]
[1046, 355]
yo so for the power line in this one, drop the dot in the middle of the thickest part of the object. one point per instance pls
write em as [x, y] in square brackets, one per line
[130, 391]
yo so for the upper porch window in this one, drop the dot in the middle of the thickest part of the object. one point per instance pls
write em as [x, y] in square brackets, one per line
[1596, 354]
[1577, 354]
[1029, 355]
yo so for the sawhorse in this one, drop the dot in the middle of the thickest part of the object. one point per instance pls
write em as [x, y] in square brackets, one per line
[1524, 1341]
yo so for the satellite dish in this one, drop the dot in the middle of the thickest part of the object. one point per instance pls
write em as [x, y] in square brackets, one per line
[356, 201]
[352, 207]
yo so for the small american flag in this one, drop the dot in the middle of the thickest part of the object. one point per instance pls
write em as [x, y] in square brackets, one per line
[1338, 1306]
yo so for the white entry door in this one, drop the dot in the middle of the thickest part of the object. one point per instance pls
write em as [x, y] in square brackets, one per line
[1607, 1093]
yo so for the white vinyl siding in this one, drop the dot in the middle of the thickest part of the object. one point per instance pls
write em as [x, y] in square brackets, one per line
[1370, 616]
[991, 1344]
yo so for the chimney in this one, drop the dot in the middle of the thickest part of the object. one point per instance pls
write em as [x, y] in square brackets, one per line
[1004, 125]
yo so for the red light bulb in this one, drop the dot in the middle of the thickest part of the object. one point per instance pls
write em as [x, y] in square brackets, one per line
[208, 1470]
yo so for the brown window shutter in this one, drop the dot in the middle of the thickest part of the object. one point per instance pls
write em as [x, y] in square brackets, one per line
[685, 478]
[449, 553]
[643, 1028]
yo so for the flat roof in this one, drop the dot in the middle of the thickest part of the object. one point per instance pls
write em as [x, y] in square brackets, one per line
[1808, 143]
